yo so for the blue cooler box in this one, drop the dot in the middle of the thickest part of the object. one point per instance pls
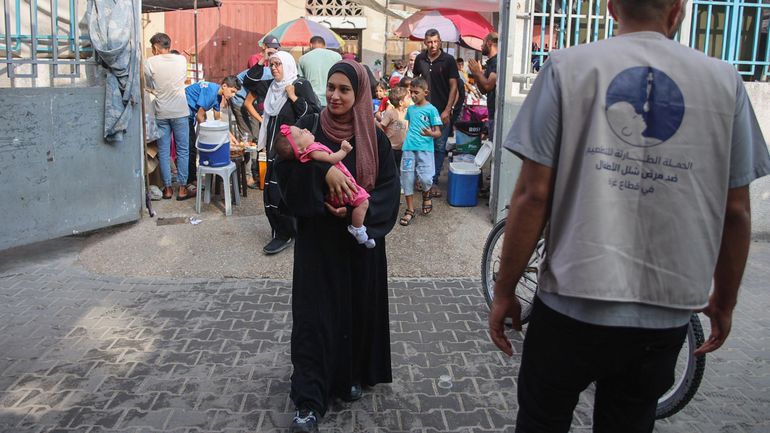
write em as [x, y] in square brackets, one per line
[464, 179]
[463, 184]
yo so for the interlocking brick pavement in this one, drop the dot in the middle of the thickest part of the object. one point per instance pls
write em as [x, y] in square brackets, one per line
[97, 354]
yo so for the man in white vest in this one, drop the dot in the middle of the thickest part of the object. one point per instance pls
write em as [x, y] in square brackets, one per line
[637, 155]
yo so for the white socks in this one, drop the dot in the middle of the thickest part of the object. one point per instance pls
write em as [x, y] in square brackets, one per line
[361, 236]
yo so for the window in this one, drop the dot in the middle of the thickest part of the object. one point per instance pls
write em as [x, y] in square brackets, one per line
[334, 8]
[45, 33]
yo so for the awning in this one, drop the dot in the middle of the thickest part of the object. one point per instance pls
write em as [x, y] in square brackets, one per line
[175, 5]
[466, 5]
[375, 5]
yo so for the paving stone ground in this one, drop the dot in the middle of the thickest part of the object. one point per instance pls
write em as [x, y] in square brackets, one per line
[95, 354]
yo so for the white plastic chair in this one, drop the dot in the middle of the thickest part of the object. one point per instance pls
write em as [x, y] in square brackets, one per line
[230, 185]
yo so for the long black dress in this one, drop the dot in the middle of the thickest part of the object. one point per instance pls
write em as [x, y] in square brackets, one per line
[307, 103]
[340, 330]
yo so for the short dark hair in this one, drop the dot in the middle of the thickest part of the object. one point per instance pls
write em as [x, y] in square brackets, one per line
[405, 82]
[460, 60]
[283, 147]
[432, 32]
[643, 10]
[232, 81]
[161, 39]
[396, 95]
[399, 63]
[420, 83]
[318, 40]
[492, 37]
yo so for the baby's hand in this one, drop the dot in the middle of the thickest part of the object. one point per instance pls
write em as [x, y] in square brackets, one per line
[345, 146]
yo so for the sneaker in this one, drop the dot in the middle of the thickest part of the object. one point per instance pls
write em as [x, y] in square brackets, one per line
[276, 246]
[304, 421]
[370, 243]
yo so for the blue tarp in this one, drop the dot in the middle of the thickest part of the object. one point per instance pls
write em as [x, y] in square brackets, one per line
[113, 28]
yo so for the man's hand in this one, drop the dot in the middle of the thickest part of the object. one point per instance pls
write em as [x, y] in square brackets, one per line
[503, 307]
[346, 146]
[721, 322]
[474, 67]
[340, 186]
[733, 253]
[445, 116]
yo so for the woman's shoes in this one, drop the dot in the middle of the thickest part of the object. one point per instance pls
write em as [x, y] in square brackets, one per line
[355, 393]
[168, 192]
[305, 421]
[276, 245]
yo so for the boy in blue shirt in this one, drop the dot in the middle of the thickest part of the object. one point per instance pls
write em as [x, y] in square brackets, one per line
[417, 158]
[202, 97]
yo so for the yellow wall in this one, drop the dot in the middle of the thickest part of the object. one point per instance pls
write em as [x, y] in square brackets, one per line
[151, 24]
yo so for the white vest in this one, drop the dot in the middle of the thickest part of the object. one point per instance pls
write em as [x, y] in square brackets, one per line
[642, 172]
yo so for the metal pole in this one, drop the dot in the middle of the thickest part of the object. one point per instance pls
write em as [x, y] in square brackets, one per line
[195, 27]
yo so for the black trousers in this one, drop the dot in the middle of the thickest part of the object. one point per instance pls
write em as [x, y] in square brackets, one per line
[283, 225]
[632, 368]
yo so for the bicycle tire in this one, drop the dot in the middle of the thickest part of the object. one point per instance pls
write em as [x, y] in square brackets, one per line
[490, 261]
[687, 383]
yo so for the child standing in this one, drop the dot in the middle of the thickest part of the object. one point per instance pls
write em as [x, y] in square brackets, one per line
[406, 83]
[394, 121]
[304, 148]
[380, 101]
[417, 156]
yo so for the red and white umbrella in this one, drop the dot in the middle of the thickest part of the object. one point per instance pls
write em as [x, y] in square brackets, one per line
[466, 27]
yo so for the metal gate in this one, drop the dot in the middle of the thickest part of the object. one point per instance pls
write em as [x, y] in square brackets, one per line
[57, 174]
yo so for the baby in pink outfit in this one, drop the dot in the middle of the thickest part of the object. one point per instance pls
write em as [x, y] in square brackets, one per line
[307, 149]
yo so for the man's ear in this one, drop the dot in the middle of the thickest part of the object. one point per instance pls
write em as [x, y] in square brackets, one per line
[675, 16]
[613, 11]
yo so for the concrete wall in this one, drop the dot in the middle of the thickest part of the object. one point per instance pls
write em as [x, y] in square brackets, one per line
[759, 93]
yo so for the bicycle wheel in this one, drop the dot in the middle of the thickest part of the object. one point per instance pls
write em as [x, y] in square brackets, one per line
[490, 266]
[687, 375]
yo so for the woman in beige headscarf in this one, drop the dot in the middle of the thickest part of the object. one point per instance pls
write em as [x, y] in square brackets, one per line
[340, 338]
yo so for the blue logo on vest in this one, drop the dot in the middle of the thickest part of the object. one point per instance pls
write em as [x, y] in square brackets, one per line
[644, 106]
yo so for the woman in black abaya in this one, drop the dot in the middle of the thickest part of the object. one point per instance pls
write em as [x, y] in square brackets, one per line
[340, 332]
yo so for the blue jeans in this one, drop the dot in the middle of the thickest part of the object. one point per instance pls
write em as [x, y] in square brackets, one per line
[439, 150]
[417, 164]
[182, 137]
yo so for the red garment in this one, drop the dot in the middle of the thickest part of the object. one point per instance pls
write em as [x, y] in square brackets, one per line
[394, 80]
[384, 105]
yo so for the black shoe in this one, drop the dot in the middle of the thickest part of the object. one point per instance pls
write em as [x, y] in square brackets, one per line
[304, 421]
[276, 246]
[355, 393]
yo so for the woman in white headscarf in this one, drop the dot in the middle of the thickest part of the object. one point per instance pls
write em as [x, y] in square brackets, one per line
[288, 99]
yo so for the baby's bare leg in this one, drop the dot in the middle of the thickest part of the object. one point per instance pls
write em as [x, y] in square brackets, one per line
[359, 213]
